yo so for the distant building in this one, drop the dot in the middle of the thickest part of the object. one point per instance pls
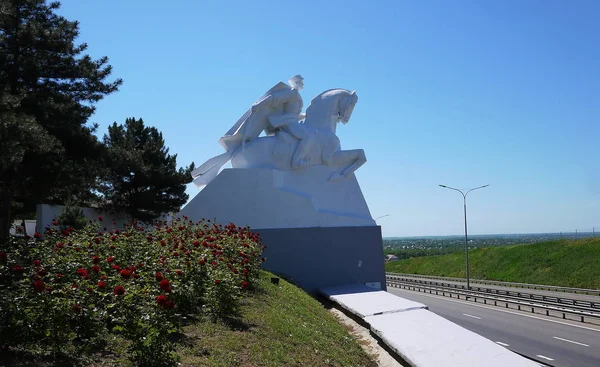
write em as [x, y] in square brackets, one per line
[390, 257]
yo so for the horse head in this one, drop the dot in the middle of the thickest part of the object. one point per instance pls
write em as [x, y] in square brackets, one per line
[329, 108]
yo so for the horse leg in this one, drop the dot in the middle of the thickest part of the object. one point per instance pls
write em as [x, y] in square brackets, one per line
[356, 158]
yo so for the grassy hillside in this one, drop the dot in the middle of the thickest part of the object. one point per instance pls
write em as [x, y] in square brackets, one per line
[571, 263]
[279, 326]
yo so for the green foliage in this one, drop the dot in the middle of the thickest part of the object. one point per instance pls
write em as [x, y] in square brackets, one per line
[47, 90]
[143, 180]
[569, 263]
[72, 217]
[73, 289]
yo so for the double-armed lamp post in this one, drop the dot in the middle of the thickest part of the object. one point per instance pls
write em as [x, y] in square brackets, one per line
[466, 240]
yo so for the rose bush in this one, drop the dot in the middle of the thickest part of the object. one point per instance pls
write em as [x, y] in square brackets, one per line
[78, 286]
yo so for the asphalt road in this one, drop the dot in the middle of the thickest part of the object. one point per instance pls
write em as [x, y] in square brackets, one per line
[577, 296]
[555, 342]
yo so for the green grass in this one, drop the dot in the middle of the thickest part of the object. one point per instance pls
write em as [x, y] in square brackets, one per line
[279, 326]
[569, 263]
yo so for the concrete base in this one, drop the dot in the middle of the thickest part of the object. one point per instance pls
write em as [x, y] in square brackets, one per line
[322, 257]
[270, 198]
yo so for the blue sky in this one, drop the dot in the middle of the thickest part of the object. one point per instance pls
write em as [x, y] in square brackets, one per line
[461, 93]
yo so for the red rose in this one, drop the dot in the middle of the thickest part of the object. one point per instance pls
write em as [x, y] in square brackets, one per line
[76, 308]
[149, 238]
[125, 273]
[110, 259]
[96, 259]
[119, 290]
[37, 235]
[38, 286]
[158, 277]
[165, 285]
[90, 289]
[179, 272]
[100, 218]
[202, 261]
[101, 284]
[82, 272]
[162, 242]
[59, 245]
[95, 269]
[17, 268]
[116, 267]
[97, 240]
[37, 263]
[164, 302]
[58, 275]
[244, 284]
[42, 272]
[54, 223]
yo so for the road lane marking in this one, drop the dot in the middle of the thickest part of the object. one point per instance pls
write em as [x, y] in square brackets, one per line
[499, 309]
[502, 344]
[544, 357]
[475, 317]
[570, 341]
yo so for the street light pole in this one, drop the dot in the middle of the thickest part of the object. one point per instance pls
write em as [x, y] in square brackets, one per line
[466, 238]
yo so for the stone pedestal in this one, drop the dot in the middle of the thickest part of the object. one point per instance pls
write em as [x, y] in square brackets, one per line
[268, 198]
[315, 258]
[318, 233]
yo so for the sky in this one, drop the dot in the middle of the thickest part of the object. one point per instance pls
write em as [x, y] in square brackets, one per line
[460, 93]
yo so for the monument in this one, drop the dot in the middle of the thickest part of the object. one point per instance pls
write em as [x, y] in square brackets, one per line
[297, 188]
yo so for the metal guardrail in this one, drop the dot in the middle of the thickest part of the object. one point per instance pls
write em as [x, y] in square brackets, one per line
[592, 306]
[581, 312]
[507, 284]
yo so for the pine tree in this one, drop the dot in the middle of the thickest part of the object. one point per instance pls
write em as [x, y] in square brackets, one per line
[143, 180]
[48, 87]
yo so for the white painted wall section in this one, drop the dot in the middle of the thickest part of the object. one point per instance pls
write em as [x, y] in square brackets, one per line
[364, 301]
[418, 335]
[425, 339]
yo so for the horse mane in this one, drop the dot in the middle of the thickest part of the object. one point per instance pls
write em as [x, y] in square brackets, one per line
[322, 99]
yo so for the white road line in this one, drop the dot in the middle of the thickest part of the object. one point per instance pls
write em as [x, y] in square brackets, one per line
[499, 309]
[475, 317]
[544, 357]
[502, 344]
[570, 341]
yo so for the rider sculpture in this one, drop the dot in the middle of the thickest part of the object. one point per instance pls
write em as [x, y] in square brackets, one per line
[279, 109]
[293, 140]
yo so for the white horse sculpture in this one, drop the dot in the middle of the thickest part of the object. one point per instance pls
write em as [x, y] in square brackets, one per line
[275, 151]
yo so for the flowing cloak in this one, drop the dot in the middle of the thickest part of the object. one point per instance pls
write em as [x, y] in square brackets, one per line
[232, 140]
[249, 121]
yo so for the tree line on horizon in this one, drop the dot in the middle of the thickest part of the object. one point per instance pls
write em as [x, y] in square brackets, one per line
[49, 151]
